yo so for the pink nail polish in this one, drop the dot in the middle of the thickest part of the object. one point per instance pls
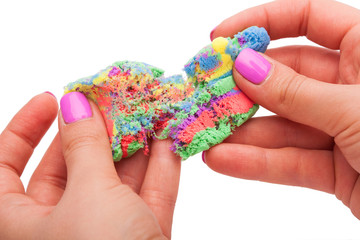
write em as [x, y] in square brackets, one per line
[74, 107]
[212, 33]
[252, 66]
[50, 94]
[203, 157]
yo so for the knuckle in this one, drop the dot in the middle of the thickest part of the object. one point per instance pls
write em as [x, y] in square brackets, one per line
[53, 180]
[159, 199]
[348, 139]
[288, 91]
[345, 125]
[81, 142]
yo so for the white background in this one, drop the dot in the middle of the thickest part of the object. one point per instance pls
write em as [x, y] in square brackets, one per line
[46, 44]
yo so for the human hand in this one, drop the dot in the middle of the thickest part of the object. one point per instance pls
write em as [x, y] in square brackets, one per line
[314, 141]
[76, 192]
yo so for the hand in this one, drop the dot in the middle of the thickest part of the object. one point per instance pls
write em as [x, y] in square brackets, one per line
[314, 141]
[76, 192]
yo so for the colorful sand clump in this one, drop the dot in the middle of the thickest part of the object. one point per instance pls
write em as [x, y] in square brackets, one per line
[198, 112]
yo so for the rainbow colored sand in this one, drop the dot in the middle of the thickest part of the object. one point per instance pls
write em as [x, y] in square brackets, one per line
[136, 100]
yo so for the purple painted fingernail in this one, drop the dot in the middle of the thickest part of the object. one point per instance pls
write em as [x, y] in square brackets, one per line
[74, 107]
[212, 33]
[50, 94]
[203, 157]
[252, 66]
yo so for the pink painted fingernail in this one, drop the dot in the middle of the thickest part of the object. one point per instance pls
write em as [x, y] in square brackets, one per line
[74, 107]
[212, 33]
[252, 66]
[50, 94]
[203, 157]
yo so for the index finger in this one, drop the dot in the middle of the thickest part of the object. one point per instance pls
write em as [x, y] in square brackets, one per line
[324, 22]
[20, 137]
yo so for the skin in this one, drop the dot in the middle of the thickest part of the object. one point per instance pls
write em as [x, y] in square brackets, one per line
[314, 139]
[77, 192]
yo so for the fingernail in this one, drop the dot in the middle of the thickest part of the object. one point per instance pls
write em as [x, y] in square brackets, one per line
[50, 94]
[203, 157]
[252, 66]
[74, 107]
[212, 33]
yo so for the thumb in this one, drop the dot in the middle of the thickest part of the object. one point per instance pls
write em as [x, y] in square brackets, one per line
[85, 142]
[293, 96]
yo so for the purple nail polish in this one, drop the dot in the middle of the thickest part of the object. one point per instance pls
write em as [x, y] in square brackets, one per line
[203, 157]
[74, 107]
[252, 66]
[212, 33]
[50, 94]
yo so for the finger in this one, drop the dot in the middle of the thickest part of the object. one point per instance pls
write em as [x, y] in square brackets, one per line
[355, 199]
[326, 26]
[296, 97]
[161, 183]
[345, 176]
[85, 144]
[277, 132]
[314, 62]
[132, 170]
[48, 182]
[290, 166]
[21, 136]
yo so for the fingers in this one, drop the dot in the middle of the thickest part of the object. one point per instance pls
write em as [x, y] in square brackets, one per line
[277, 132]
[324, 22]
[161, 183]
[48, 182]
[301, 99]
[132, 170]
[85, 144]
[290, 166]
[21, 136]
[314, 62]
